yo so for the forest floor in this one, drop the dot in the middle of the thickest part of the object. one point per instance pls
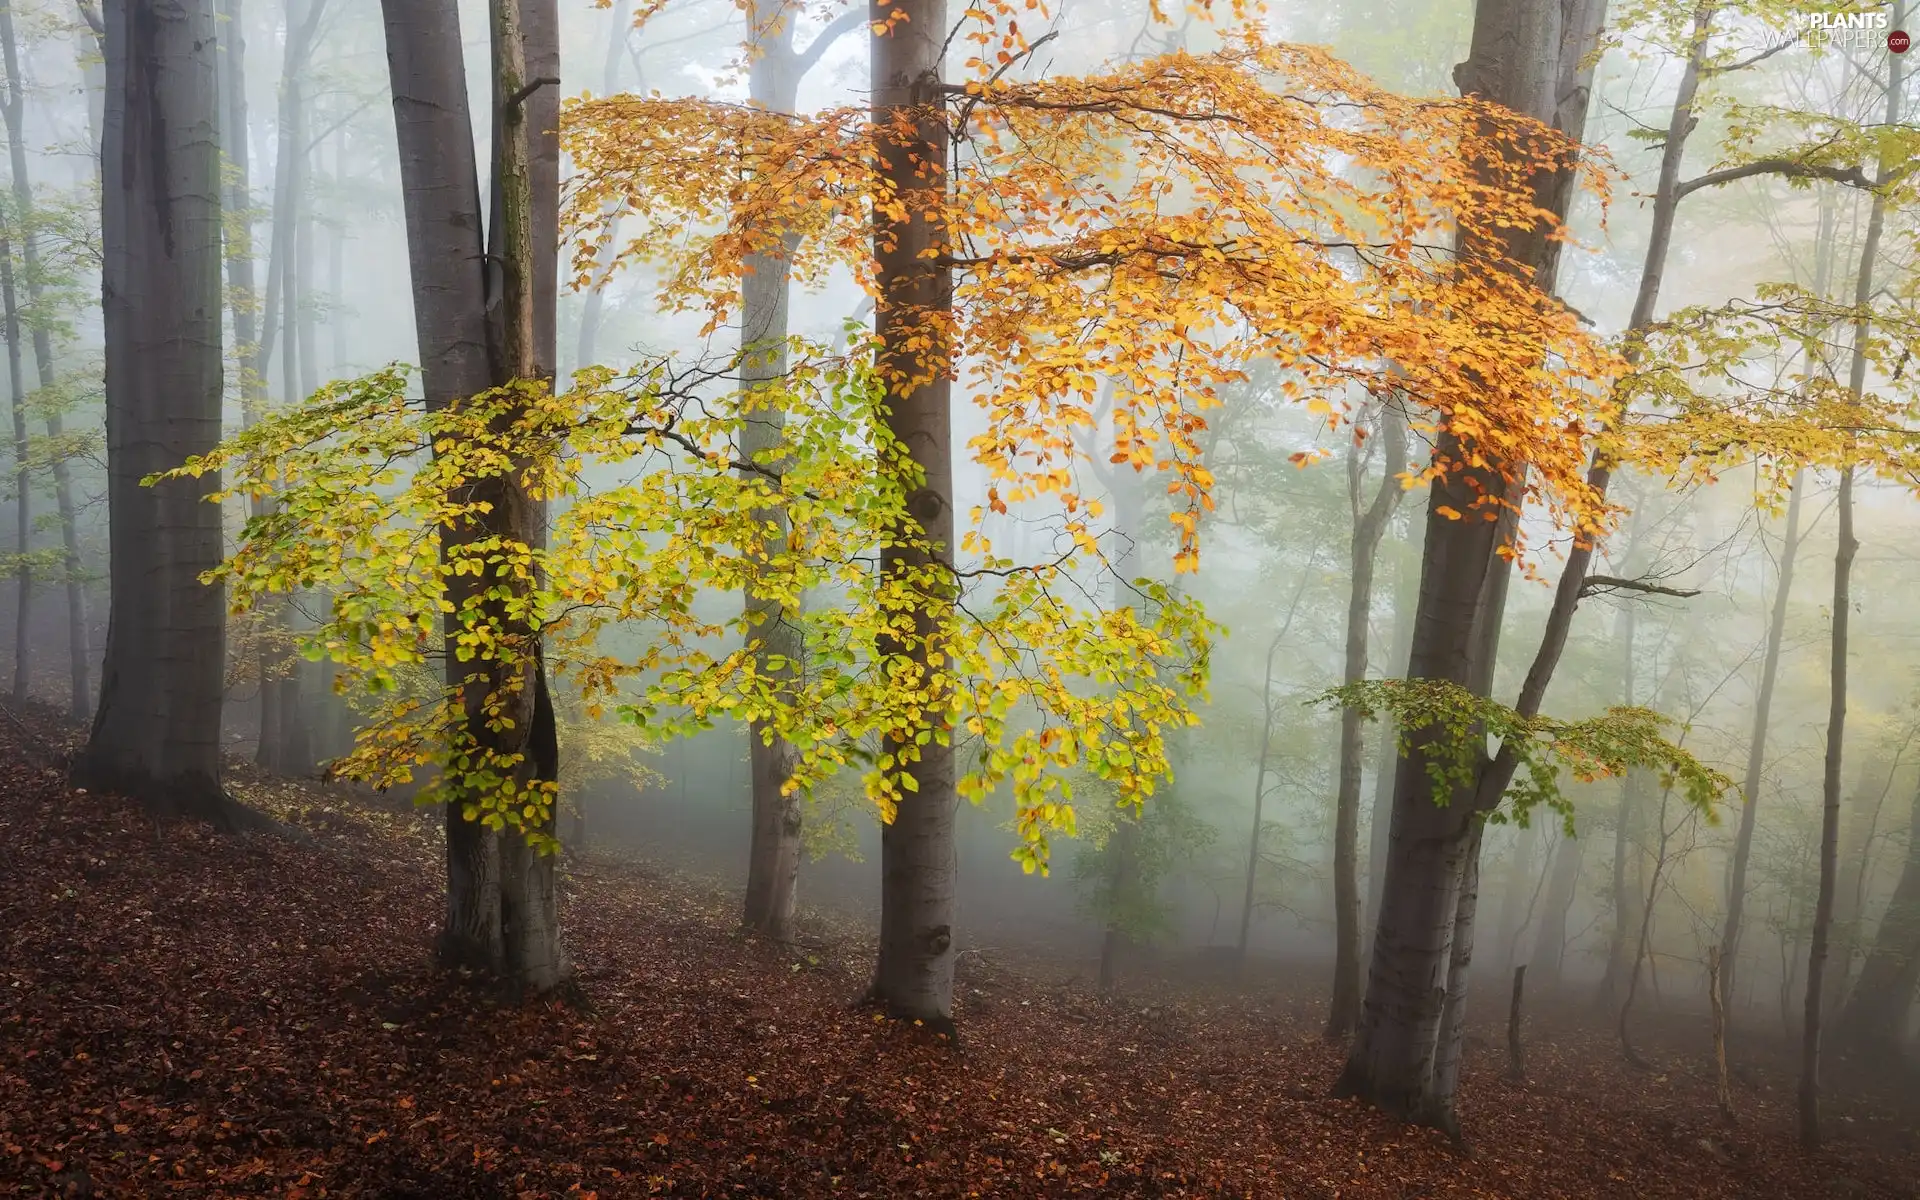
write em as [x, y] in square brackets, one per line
[187, 1014]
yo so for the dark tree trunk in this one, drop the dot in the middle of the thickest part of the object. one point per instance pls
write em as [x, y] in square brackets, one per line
[1757, 746]
[1821, 932]
[1369, 526]
[913, 977]
[79, 656]
[156, 734]
[1810, 1031]
[1877, 1011]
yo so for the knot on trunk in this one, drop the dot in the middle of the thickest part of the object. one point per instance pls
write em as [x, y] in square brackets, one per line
[940, 939]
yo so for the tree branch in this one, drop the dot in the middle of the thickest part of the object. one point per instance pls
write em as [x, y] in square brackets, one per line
[836, 29]
[1787, 167]
[90, 13]
[520, 97]
[1610, 583]
[1750, 61]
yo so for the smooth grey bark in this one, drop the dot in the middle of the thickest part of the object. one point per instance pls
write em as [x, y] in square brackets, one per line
[1532, 59]
[156, 733]
[1123, 845]
[500, 918]
[284, 744]
[1810, 1030]
[773, 851]
[1875, 1014]
[79, 656]
[913, 977]
[1406, 597]
[1369, 524]
[22, 481]
[1757, 746]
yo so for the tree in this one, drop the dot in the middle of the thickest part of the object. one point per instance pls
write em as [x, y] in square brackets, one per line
[284, 744]
[1810, 1032]
[501, 912]
[1370, 520]
[156, 734]
[1052, 302]
[1757, 742]
[913, 289]
[79, 657]
[1532, 59]
[775, 69]
[22, 481]
[1877, 1011]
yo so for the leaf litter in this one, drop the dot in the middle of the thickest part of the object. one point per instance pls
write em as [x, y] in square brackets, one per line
[186, 1014]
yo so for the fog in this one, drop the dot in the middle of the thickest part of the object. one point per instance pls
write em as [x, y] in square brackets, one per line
[1676, 618]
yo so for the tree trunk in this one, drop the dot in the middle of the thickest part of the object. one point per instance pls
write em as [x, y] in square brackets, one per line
[1877, 1010]
[1626, 910]
[1530, 58]
[22, 482]
[1550, 944]
[1453, 1017]
[1406, 597]
[278, 679]
[1369, 526]
[526, 55]
[156, 735]
[79, 657]
[1810, 1031]
[773, 851]
[593, 308]
[1757, 744]
[913, 977]
[1855, 848]
[1519, 895]
[1821, 933]
[501, 912]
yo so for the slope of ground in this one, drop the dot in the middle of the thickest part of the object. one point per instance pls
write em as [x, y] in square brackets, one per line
[183, 1014]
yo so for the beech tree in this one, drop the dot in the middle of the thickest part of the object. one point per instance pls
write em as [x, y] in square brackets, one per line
[775, 69]
[502, 917]
[1370, 518]
[13, 107]
[156, 733]
[1028, 265]
[1848, 546]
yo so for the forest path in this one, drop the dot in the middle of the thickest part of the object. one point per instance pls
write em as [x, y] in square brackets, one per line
[185, 1014]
